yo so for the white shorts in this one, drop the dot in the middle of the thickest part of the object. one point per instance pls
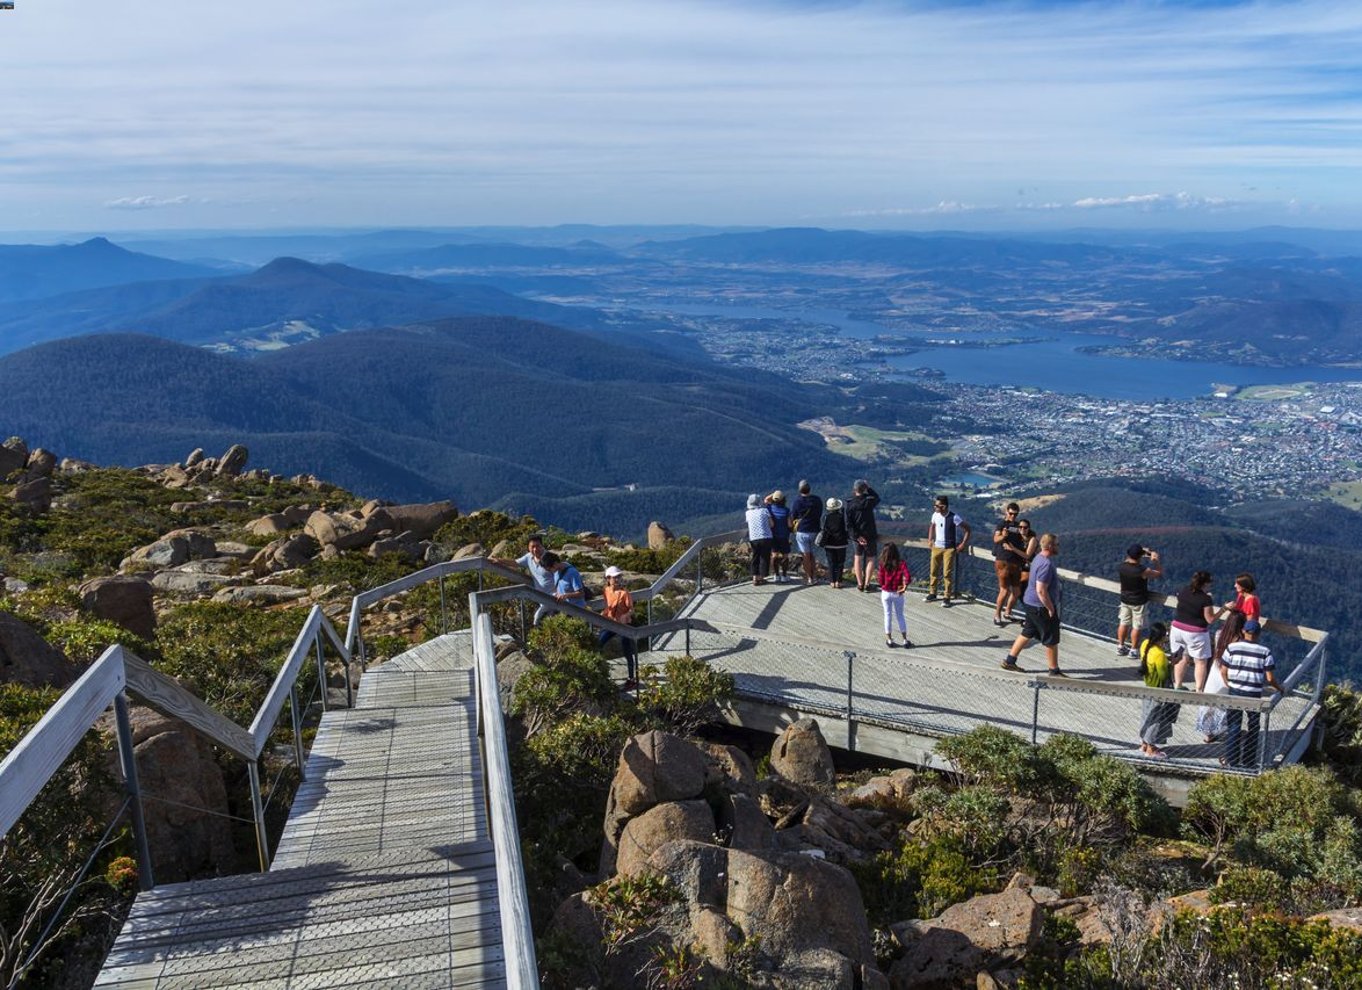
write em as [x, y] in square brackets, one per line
[1197, 644]
[804, 542]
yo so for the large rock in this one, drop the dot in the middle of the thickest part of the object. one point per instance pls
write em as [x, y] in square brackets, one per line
[673, 821]
[34, 493]
[233, 462]
[123, 599]
[26, 658]
[41, 463]
[195, 458]
[658, 535]
[806, 915]
[191, 585]
[179, 767]
[284, 554]
[654, 768]
[259, 594]
[510, 669]
[171, 550]
[800, 754]
[346, 531]
[422, 519]
[271, 525]
[13, 457]
[980, 933]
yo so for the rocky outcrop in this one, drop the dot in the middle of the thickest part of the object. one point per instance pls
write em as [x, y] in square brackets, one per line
[35, 494]
[171, 550]
[233, 462]
[347, 530]
[188, 828]
[801, 755]
[422, 520]
[259, 594]
[984, 933]
[122, 599]
[13, 457]
[26, 658]
[284, 554]
[658, 535]
[669, 822]
[41, 463]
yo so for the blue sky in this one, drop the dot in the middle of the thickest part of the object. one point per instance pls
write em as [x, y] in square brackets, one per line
[294, 113]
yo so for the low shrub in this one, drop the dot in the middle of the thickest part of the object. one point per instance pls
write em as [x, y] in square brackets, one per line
[685, 694]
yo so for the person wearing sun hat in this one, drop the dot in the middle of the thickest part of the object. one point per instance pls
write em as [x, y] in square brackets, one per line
[833, 537]
[619, 607]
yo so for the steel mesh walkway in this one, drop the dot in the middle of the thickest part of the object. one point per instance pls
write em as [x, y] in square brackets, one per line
[384, 875]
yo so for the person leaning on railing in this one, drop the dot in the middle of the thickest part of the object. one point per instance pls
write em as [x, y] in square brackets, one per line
[619, 607]
[1246, 666]
[532, 562]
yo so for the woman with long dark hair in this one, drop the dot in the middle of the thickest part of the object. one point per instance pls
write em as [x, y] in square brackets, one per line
[894, 580]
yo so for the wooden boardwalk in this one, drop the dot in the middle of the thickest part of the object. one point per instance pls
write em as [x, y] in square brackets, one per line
[384, 875]
[785, 644]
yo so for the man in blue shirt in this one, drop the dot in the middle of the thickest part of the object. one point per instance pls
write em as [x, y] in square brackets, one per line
[532, 561]
[567, 580]
[1041, 605]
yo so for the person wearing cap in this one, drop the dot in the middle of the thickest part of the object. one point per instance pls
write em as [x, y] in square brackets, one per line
[759, 538]
[807, 515]
[833, 537]
[865, 534]
[1131, 616]
[619, 607]
[780, 534]
[1247, 666]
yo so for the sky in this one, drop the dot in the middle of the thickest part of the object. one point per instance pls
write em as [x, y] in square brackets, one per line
[158, 115]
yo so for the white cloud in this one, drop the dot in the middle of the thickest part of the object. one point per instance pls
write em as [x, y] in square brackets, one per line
[331, 111]
[1151, 202]
[146, 202]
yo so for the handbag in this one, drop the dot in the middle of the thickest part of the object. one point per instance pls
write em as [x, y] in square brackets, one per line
[818, 539]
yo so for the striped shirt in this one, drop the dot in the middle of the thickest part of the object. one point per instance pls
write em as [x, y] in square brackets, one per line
[1248, 664]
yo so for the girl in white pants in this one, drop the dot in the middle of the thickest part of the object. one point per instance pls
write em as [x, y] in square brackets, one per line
[894, 581]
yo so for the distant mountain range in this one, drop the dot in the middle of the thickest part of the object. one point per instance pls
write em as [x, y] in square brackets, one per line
[484, 410]
[29, 271]
[285, 301]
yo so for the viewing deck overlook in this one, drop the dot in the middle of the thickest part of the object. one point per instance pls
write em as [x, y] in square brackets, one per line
[400, 863]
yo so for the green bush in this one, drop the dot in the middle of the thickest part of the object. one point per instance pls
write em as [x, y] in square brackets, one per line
[488, 528]
[1342, 719]
[686, 694]
[646, 561]
[918, 879]
[228, 655]
[1299, 822]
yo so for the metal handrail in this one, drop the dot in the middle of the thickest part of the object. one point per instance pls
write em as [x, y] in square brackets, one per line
[513, 902]
[107, 681]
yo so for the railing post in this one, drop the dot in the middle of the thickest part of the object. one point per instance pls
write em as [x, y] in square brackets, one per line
[297, 718]
[1035, 713]
[699, 572]
[444, 612]
[650, 611]
[850, 656]
[524, 633]
[145, 878]
[1263, 729]
[321, 672]
[650, 639]
[262, 844]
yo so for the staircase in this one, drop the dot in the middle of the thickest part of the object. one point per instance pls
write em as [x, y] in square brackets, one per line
[384, 875]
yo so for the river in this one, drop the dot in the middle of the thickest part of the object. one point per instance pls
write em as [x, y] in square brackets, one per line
[1053, 363]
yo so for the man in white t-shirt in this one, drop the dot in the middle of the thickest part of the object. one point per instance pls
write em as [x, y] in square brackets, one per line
[947, 533]
[541, 577]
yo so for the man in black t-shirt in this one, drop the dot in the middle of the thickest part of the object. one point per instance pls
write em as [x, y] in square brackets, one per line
[1009, 555]
[1131, 616]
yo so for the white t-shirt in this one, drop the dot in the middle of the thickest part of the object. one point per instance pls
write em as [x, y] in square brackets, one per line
[939, 529]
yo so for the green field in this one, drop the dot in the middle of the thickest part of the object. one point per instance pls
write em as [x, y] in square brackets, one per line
[1346, 493]
[1274, 393]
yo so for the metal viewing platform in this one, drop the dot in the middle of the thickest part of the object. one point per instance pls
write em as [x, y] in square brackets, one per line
[400, 862]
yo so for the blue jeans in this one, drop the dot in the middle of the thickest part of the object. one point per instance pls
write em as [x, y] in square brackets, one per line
[1241, 748]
